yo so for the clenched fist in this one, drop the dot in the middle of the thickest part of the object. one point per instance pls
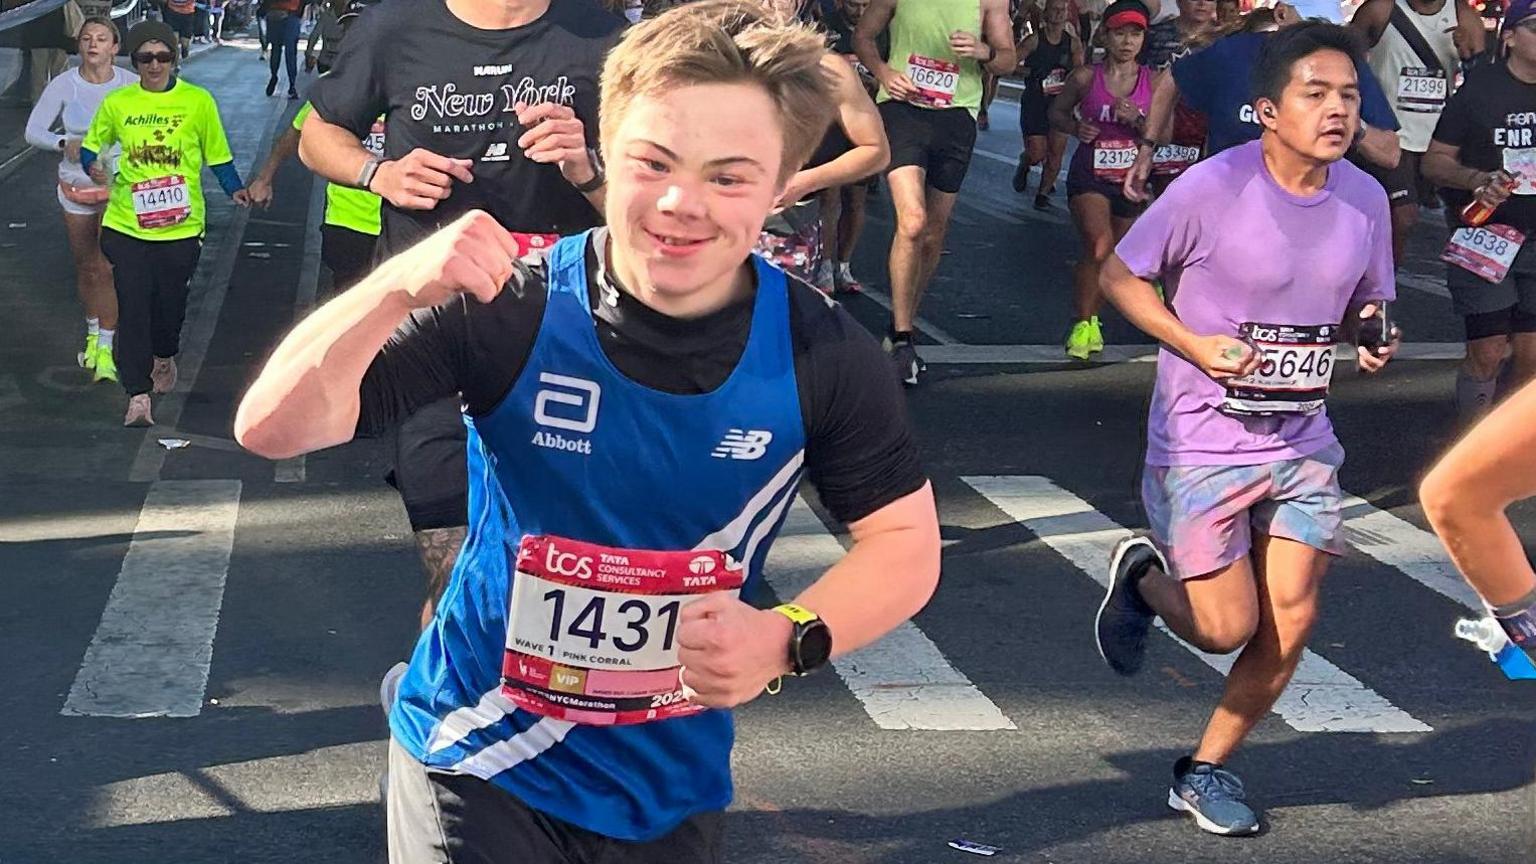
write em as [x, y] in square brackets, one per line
[473, 255]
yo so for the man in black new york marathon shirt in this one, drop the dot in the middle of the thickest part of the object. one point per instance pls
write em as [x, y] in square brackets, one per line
[450, 88]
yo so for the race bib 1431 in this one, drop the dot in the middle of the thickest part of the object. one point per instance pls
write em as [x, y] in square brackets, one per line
[592, 630]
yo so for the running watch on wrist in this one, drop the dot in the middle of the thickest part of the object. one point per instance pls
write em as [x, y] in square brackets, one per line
[810, 642]
[370, 168]
[599, 176]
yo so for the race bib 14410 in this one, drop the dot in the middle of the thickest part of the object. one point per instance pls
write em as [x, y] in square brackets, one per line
[161, 202]
[592, 630]
[1293, 375]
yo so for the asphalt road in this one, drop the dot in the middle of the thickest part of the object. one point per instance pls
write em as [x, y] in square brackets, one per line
[275, 596]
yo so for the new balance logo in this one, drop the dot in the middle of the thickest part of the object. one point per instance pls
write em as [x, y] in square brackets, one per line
[496, 152]
[743, 444]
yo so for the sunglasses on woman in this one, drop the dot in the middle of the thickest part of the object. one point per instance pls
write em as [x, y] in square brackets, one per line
[143, 57]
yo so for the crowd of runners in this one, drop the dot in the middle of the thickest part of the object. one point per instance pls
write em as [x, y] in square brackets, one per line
[583, 253]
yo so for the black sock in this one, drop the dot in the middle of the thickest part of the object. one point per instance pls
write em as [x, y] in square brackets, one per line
[899, 336]
[1187, 764]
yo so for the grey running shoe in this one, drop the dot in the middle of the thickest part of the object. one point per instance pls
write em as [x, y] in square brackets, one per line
[1120, 629]
[1214, 796]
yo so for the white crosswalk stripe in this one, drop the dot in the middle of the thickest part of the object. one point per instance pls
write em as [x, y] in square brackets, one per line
[903, 680]
[1321, 698]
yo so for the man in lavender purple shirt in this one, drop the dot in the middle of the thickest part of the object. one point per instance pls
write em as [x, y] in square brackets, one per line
[1279, 251]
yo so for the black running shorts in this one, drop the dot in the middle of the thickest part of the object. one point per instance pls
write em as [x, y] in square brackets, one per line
[937, 140]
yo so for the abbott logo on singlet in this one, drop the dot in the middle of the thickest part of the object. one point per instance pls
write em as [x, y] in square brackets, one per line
[569, 404]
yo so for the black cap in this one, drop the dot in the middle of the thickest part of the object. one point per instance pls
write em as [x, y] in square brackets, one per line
[149, 31]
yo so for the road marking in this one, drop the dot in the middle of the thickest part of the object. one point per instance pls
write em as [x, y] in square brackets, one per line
[963, 354]
[1321, 698]
[210, 283]
[151, 652]
[939, 335]
[1010, 161]
[903, 681]
[1398, 543]
[293, 470]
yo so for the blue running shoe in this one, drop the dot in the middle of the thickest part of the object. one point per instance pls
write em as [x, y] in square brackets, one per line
[1120, 629]
[1214, 796]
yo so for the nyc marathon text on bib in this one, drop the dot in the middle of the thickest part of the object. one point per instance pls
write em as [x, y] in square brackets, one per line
[936, 80]
[1487, 250]
[1112, 158]
[592, 630]
[161, 202]
[1294, 375]
[1421, 90]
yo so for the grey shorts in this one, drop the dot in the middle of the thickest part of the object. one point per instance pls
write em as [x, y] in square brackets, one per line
[437, 818]
[1473, 295]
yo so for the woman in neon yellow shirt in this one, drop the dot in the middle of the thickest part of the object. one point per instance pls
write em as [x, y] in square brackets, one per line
[153, 228]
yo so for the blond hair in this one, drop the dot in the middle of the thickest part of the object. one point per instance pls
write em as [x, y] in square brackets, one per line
[724, 42]
[103, 21]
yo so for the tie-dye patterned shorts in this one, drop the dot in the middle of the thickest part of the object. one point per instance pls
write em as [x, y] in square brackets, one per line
[1203, 516]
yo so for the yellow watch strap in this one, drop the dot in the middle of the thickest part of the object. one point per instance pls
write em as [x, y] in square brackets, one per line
[797, 614]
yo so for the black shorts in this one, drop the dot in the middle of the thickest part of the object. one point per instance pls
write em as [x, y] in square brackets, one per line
[1081, 181]
[431, 469]
[436, 818]
[938, 140]
[1402, 183]
[348, 254]
[182, 25]
[1035, 114]
[1496, 310]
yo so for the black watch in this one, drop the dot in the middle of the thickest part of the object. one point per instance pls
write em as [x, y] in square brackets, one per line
[810, 643]
[599, 176]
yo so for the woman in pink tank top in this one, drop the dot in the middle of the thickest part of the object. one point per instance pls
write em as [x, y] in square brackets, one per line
[1105, 106]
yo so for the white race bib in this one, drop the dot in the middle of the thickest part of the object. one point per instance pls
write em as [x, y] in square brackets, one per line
[592, 630]
[1487, 250]
[937, 80]
[1294, 375]
[161, 202]
[1055, 82]
[374, 143]
[1112, 159]
[1421, 90]
[1174, 159]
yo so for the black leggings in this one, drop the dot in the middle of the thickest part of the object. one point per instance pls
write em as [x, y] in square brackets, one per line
[152, 279]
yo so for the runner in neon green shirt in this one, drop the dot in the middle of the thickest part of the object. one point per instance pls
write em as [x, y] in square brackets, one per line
[155, 220]
[930, 93]
[352, 216]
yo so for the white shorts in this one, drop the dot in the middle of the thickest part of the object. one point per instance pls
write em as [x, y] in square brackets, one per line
[74, 209]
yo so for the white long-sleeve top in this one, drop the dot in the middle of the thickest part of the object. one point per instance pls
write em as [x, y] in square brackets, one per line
[71, 101]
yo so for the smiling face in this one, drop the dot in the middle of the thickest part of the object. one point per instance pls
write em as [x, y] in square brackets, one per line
[1319, 108]
[98, 44]
[692, 174]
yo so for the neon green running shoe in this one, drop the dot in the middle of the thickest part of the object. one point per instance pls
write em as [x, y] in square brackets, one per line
[1095, 335]
[105, 366]
[87, 359]
[1080, 340]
